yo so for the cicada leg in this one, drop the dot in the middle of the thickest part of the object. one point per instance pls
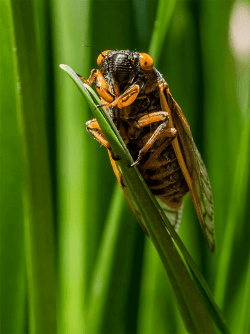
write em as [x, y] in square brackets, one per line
[126, 99]
[151, 162]
[101, 85]
[94, 129]
[162, 131]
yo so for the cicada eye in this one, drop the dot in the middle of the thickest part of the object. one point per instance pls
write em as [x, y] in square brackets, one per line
[100, 58]
[146, 62]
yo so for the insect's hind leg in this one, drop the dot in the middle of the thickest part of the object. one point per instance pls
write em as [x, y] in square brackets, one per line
[162, 131]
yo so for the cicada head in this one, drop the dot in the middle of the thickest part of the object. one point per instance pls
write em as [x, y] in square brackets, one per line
[123, 68]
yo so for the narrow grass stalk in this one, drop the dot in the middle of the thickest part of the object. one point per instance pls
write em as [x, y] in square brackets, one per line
[156, 298]
[238, 193]
[148, 288]
[71, 28]
[38, 212]
[12, 264]
[103, 268]
[243, 323]
[164, 13]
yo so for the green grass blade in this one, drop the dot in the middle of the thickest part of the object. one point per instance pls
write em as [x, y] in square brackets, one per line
[156, 298]
[164, 13]
[76, 178]
[148, 288]
[38, 213]
[12, 264]
[103, 267]
[238, 195]
[190, 303]
[239, 190]
[243, 322]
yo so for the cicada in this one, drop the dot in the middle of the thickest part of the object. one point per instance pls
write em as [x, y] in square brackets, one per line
[155, 131]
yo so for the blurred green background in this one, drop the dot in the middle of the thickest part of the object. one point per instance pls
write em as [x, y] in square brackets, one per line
[73, 258]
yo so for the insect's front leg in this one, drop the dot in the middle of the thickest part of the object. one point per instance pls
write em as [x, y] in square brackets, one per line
[101, 85]
[94, 129]
[162, 131]
[128, 97]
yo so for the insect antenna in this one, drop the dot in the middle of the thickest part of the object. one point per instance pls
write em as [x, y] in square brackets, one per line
[87, 46]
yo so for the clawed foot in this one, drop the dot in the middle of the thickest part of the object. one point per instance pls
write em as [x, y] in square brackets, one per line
[135, 163]
[103, 105]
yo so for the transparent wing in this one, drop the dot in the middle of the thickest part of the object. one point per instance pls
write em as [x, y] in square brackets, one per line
[174, 216]
[196, 169]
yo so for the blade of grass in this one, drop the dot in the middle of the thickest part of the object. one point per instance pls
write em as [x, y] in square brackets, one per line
[241, 174]
[156, 298]
[71, 28]
[243, 323]
[103, 266]
[148, 287]
[239, 186]
[191, 306]
[164, 13]
[220, 117]
[38, 213]
[12, 265]
[238, 193]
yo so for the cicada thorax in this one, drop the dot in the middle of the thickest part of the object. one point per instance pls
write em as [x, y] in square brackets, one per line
[159, 166]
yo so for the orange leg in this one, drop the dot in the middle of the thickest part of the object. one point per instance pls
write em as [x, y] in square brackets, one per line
[152, 161]
[94, 129]
[126, 99]
[152, 118]
[162, 131]
[146, 138]
[101, 85]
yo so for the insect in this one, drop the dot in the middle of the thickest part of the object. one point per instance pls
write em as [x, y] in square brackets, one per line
[155, 132]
